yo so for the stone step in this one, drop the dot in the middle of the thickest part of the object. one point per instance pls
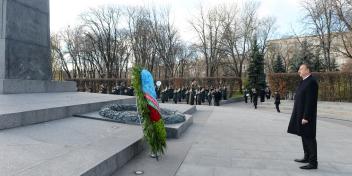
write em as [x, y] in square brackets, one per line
[71, 146]
[232, 100]
[25, 109]
[183, 108]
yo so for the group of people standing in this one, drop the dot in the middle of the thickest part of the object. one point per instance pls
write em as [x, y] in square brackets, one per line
[253, 95]
[193, 95]
[120, 89]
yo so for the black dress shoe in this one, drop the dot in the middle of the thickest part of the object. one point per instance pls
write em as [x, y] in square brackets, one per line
[309, 166]
[304, 160]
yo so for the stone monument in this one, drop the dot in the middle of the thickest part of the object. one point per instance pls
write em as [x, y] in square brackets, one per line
[25, 65]
[53, 147]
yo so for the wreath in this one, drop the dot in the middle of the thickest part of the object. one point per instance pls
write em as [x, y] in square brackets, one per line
[148, 108]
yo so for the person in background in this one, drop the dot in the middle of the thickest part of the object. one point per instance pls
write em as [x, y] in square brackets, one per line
[164, 95]
[175, 96]
[103, 89]
[245, 95]
[198, 97]
[192, 92]
[170, 93]
[217, 97]
[210, 96]
[251, 94]
[158, 91]
[262, 95]
[255, 98]
[202, 95]
[179, 95]
[267, 93]
[277, 101]
[224, 93]
[187, 95]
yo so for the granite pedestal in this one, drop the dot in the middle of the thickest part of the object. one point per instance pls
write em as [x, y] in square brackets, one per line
[25, 109]
[25, 64]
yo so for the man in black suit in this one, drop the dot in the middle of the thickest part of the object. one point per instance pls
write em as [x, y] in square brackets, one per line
[304, 117]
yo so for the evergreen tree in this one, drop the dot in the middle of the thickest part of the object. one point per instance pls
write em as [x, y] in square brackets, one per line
[317, 63]
[256, 75]
[278, 66]
[334, 66]
[303, 55]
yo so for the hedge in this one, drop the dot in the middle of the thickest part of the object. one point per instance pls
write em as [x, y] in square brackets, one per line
[333, 86]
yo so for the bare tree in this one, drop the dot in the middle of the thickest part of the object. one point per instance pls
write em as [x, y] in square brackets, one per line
[343, 10]
[344, 44]
[166, 40]
[72, 40]
[185, 56]
[230, 40]
[207, 26]
[101, 26]
[320, 16]
[239, 26]
[141, 37]
[58, 55]
[265, 29]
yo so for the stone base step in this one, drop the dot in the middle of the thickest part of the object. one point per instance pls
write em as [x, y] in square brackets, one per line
[25, 109]
[183, 108]
[70, 147]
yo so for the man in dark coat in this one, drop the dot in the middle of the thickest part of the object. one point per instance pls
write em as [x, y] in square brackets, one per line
[224, 93]
[217, 97]
[262, 95]
[277, 101]
[304, 117]
[192, 96]
[192, 92]
[210, 96]
[202, 95]
[245, 95]
[164, 95]
[251, 94]
[198, 97]
[170, 93]
[267, 93]
[255, 98]
[158, 91]
[175, 96]
[187, 95]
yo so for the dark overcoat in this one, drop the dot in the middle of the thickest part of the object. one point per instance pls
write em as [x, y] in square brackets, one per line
[305, 106]
[277, 98]
[255, 98]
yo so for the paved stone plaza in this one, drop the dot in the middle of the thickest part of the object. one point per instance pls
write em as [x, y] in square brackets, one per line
[237, 140]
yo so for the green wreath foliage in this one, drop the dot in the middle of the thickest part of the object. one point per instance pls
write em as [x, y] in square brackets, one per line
[154, 132]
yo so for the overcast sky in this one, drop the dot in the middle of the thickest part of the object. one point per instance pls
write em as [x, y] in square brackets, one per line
[65, 12]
